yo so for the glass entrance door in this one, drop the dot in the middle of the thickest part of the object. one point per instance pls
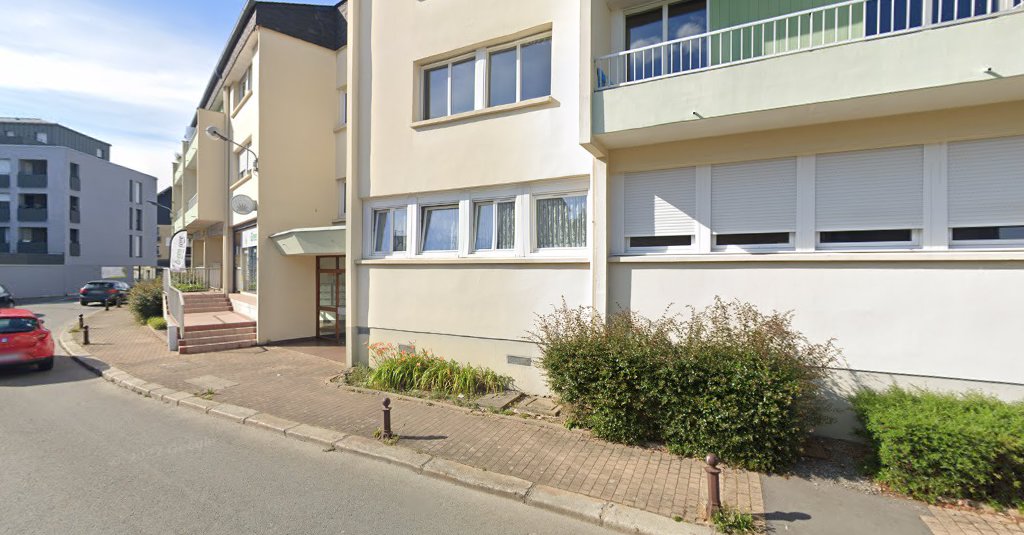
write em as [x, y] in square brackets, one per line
[330, 299]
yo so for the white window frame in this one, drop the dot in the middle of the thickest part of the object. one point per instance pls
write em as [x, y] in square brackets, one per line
[245, 147]
[447, 64]
[559, 251]
[242, 88]
[518, 45]
[668, 249]
[421, 212]
[342, 107]
[388, 252]
[41, 137]
[756, 247]
[493, 201]
[987, 244]
[913, 244]
[341, 184]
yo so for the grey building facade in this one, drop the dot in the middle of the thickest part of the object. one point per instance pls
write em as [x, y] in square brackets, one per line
[67, 214]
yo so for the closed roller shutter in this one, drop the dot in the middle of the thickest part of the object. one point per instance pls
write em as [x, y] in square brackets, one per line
[661, 203]
[870, 190]
[754, 197]
[986, 182]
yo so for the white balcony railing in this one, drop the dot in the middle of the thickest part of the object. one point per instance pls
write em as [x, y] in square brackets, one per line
[842, 22]
[192, 202]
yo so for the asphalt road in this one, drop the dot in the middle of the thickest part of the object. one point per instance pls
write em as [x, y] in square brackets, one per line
[80, 455]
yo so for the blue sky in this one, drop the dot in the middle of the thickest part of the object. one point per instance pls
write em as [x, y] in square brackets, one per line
[129, 72]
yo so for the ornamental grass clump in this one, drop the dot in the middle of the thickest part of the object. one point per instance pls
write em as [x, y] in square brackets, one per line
[401, 371]
[938, 447]
[730, 380]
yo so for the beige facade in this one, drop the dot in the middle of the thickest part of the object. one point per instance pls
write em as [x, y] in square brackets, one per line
[862, 176]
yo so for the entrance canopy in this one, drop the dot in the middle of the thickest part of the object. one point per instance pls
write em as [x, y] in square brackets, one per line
[311, 241]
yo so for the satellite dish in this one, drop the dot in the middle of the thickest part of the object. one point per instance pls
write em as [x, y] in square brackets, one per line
[243, 205]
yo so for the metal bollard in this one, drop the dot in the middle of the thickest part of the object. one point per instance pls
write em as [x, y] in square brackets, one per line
[106, 305]
[85, 335]
[81, 321]
[118, 302]
[386, 433]
[714, 494]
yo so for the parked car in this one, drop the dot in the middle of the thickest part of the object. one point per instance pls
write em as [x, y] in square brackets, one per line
[24, 340]
[103, 291]
[6, 297]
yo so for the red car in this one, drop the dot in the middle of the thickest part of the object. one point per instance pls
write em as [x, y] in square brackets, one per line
[24, 340]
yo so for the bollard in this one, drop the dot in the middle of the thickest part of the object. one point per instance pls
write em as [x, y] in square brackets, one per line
[714, 495]
[386, 433]
[81, 321]
[106, 305]
[118, 302]
[85, 335]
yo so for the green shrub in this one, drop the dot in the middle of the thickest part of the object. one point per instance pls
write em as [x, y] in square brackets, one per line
[933, 446]
[730, 380]
[188, 287]
[730, 520]
[146, 299]
[157, 323]
[399, 371]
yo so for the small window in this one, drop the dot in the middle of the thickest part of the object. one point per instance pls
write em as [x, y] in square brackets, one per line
[131, 218]
[138, 246]
[73, 204]
[5, 167]
[440, 228]
[41, 137]
[138, 219]
[137, 192]
[243, 87]
[33, 167]
[494, 225]
[1006, 233]
[244, 161]
[660, 241]
[342, 107]
[449, 88]
[74, 236]
[340, 184]
[389, 230]
[561, 222]
[74, 170]
[99, 153]
[867, 236]
[754, 238]
[519, 73]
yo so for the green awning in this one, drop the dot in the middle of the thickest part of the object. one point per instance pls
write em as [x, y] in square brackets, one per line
[311, 241]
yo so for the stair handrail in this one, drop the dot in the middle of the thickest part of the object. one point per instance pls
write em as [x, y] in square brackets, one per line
[175, 301]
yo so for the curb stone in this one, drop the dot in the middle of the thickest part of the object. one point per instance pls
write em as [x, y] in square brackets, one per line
[592, 510]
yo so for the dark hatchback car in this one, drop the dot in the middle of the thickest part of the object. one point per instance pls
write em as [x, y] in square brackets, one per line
[102, 291]
[6, 297]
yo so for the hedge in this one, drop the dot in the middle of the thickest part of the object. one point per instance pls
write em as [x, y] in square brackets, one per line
[731, 380]
[146, 299]
[936, 446]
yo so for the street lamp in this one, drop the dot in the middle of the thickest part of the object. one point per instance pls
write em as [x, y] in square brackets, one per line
[214, 134]
[158, 205]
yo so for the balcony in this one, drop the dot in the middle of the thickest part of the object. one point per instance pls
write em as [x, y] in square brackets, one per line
[75, 216]
[27, 180]
[32, 214]
[190, 153]
[75, 249]
[32, 247]
[178, 173]
[5, 181]
[5, 213]
[5, 247]
[852, 59]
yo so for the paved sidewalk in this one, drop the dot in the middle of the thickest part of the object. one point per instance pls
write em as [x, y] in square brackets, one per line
[292, 385]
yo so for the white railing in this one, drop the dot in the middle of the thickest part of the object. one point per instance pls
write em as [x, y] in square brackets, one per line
[192, 202]
[842, 22]
[175, 302]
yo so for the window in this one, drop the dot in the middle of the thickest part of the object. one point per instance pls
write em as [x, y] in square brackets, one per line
[660, 209]
[342, 107]
[389, 230]
[561, 221]
[754, 203]
[99, 153]
[73, 171]
[340, 184]
[138, 246]
[138, 219]
[521, 72]
[41, 137]
[440, 228]
[494, 225]
[668, 22]
[32, 167]
[74, 236]
[131, 218]
[137, 192]
[73, 204]
[244, 86]
[246, 241]
[870, 197]
[5, 167]
[244, 164]
[986, 191]
[32, 235]
[32, 200]
[449, 88]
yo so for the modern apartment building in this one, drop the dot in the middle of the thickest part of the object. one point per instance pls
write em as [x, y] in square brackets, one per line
[860, 163]
[67, 214]
[260, 194]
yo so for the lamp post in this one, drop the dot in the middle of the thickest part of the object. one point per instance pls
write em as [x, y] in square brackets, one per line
[212, 132]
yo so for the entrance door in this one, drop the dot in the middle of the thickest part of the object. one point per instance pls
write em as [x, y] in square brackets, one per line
[330, 299]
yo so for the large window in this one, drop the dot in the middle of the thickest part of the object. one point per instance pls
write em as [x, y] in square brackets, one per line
[390, 229]
[506, 73]
[494, 225]
[32, 167]
[5, 167]
[753, 204]
[520, 72]
[660, 210]
[246, 259]
[667, 22]
[561, 221]
[449, 88]
[440, 228]
[986, 192]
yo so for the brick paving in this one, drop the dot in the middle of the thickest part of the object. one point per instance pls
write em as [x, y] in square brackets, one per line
[945, 521]
[292, 385]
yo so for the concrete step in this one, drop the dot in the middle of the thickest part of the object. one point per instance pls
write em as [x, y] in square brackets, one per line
[232, 325]
[207, 300]
[209, 348]
[229, 331]
[216, 339]
[196, 309]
